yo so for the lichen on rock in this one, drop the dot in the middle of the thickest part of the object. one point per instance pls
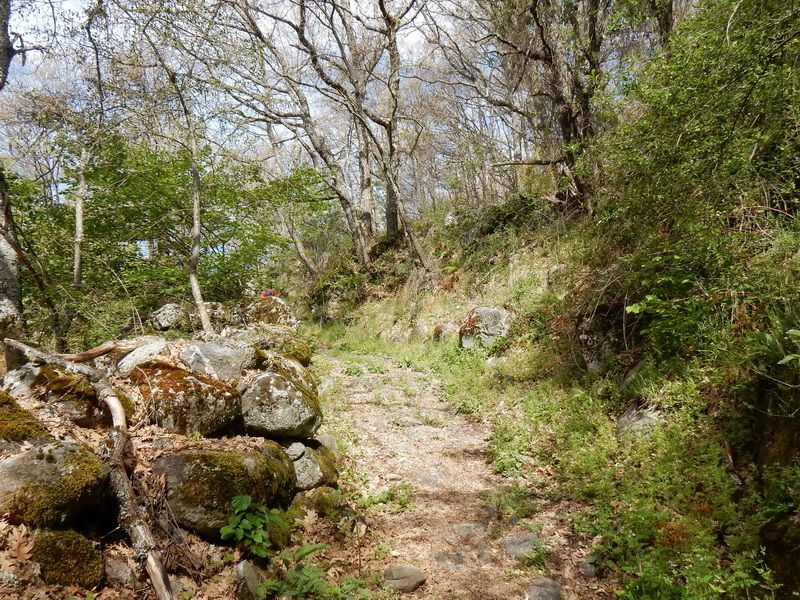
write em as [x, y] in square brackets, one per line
[272, 311]
[185, 402]
[279, 340]
[67, 558]
[315, 465]
[281, 405]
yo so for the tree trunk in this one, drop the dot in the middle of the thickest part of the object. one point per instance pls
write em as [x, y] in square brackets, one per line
[80, 198]
[391, 161]
[194, 259]
[392, 221]
[10, 291]
[6, 47]
[299, 246]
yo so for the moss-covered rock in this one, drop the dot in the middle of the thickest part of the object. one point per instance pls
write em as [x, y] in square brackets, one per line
[71, 394]
[17, 424]
[52, 484]
[185, 402]
[281, 340]
[314, 464]
[67, 558]
[279, 404]
[327, 502]
[272, 311]
[201, 483]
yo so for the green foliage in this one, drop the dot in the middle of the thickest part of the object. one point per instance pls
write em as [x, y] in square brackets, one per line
[701, 181]
[137, 220]
[301, 578]
[353, 370]
[396, 499]
[249, 524]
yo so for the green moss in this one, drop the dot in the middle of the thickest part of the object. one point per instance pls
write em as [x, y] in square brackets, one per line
[218, 476]
[74, 390]
[50, 503]
[68, 558]
[296, 349]
[327, 463]
[280, 341]
[17, 424]
[326, 501]
[127, 404]
[66, 386]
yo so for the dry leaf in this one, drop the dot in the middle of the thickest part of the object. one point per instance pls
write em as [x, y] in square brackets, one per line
[310, 520]
[20, 546]
[4, 529]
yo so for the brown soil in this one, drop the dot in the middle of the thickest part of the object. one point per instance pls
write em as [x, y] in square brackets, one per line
[400, 434]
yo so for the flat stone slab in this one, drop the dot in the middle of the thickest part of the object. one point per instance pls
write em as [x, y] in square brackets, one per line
[469, 528]
[403, 578]
[544, 588]
[520, 545]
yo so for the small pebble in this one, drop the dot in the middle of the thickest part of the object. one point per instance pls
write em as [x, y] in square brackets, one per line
[588, 569]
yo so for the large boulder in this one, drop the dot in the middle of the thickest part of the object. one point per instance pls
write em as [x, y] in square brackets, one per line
[185, 402]
[484, 326]
[169, 316]
[51, 485]
[19, 382]
[272, 338]
[219, 314]
[221, 361]
[151, 347]
[272, 311]
[67, 558]
[17, 425]
[201, 483]
[282, 402]
[71, 395]
[314, 465]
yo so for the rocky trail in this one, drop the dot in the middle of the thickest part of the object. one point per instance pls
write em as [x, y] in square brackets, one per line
[434, 503]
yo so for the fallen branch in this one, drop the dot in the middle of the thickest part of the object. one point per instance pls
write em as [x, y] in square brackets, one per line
[131, 515]
[96, 352]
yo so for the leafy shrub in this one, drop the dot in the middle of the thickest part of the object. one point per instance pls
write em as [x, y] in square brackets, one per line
[301, 578]
[249, 525]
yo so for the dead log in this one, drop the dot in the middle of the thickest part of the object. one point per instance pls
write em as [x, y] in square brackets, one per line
[96, 352]
[132, 517]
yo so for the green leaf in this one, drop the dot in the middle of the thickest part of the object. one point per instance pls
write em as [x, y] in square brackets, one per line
[241, 503]
[307, 550]
[789, 358]
[226, 532]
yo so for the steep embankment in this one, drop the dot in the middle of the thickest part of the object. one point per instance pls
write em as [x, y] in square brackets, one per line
[637, 461]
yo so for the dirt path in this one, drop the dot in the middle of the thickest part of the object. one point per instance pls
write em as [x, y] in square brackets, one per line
[425, 472]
